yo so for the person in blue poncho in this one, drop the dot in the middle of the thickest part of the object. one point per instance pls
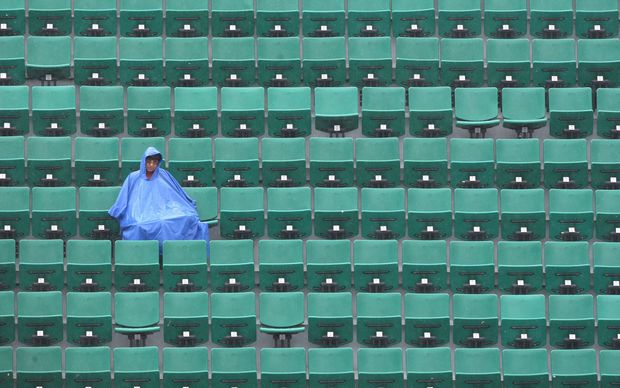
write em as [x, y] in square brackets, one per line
[153, 206]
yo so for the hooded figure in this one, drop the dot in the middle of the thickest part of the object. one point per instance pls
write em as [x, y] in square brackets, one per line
[153, 206]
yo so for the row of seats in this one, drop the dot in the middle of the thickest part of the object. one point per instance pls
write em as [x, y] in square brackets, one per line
[234, 18]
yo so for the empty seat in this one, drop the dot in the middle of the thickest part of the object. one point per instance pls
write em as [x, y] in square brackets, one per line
[242, 212]
[571, 215]
[472, 162]
[136, 314]
[551, 19]
[336, 212]
[525, 367]
[330, 318]
[280, 265]
[187, 61]
[232, 18]
[417, 60]
[476, 215]
[41, 265]
[49, 18]
[279, 61]
[377, 162]
[459, 18]
[89, 265]
[87, 365]
[12, 60]
[429, 366]
[232, 265]
[383, 213]
[39, 366]
[505, 19]
[288, 112]
[606, 268]
[462, 63]
[289, 212]
[324, 60]
[7, 323]
[605, 163]
[471, 266]
[608, 114]
[425, 162]
[553, 62]
[570, 367]
[12, 161]
[148, 111]
[140, 18]
[277, 18]
[15, 213]
[233, 61]
[243, 112]
[89, 318]
[236, 366]
[424, 266]
[7, 264]
[596, 19]
[331, 162]
[236, 162]
[54, 212]
[427, 319]
[378, 320]
[369, 18]
[284, 162]
[183, 365]
[195, 111]
[598, 62]
[101, 110]
[519, 266]
[375, 265]
[413, 19]
[96, 161]
[517, 163]
[141, 61]
[565, 164]
[523, 321]
[430, 111]
[14, 108]
[523, 214]
[233, 319]
[570, 112]
[39, 319]
[508, 61]
[53, 110]
[476, 110]
[383, 112]
[607, 320]
[136, 265]
[95, 61]
[429, 213]
[370, 61]
[13, 20]
[186, 318]
[283, 366]
[336, 109]
[474, 365]
[94, 17]
[607, 215]
[475, 319]
[322, 18]
[524, 110]
[282, 316]
[185, 265]
[331, 366]
[131, 365]
[191, 161]
[380, 367]
[608, 364]
[49, 58]
[328, 265]
[571, 321]
[94, 220]
[206, 203]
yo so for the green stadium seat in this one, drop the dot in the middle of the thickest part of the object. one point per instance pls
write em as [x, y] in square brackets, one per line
[89, 265]
[321, 18]
[141, 61]
[370, 61]
[606, 268]
[186, 318]
[14, 110]
[598, 62]
[571, 321]
[277, 18]
[565, 163]
[553, 62]
[427, 319]
[53, 110]
[233, 61]
[131, 365]
[596, 19]
[12, 60]
[186, 365]
[288, 112]
[476, 215]
[187, 61]
[101, 110]
[242, 212]
[475, 320]
[232, 265]
[429, 366]
[519, 266]
[54, 212]
[324, 60]
[607, 215]
[524, 110]
[429, 213]
[383, 111]
[283, 162]
[571, 215]
[417, 60]
[368, 18]
[148, 111]
[380, 367]
[570, 112]
[377, 162]
[195, 111]
[472, 267]
[282, 316]
[336, 109]
[283, 366]
[425, 162]
[136, 314]
[13, 19]
[573, 367]
[190, 161]
[459, 18]
[232, 18]
[140, 18]
[608, 113]
[94, 220]
[472, 161]
[88, 365]
[243, 112]
[12, 161]
[330, 318]
[7, 264]
[187, 19]
[471, 366]
[96, 161]
[233, 319]
[462, 63]
[605, 163]
[7, 324]
[49, 58]
[328, 265]
[39, 319]
[375, 265]
[608, 364]
[523, 321]
[430, 111]
[279, 61]
[94, 17]
[336, 212]
[289, 212]
[424, 266]
[505, 19]
[6, 365]
[476, 110]
[551, 19]
[523, 214]
[383, 213]
[331, 162]
[508, 61]
[379, 318]
[41, 265]
[15, 213]
[281, 265]
[89, 318]
[517, 163]
[206, 203]
[49, 161]
[49, 17]
[236, 162]
[607, 319]
[413, 19]
[37, 366]
[234, 366]
[331, 366]
[95, 61]
[136, 265]
[525, 367]
[185, 265]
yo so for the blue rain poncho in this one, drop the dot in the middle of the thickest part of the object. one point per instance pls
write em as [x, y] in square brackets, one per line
[156, 208]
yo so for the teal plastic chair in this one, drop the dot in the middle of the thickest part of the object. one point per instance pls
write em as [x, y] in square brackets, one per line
[570, 112]
[41, 265]
[141, 18]
[523, 214]
[607, 215]
[183, 365]
[88, 365]
[324, 60]
[243, 111]
[39, 366]
[328, 265]
[505, 19]
[459, 18]
[7, 323]
[607, 113]
[94, 221]
[551, 19]
[89, 265]
[413, 20]
[375, 265]
[136, 314]
[336, 109]
[15, 213]
[14, 17]
[517, 163]
[232, 265]
[187, 62]
[523, 321]
[89, 318]
[186, 318]
[322, 18]
[571, 321]
[14, 108]
[187, 19]
[95, 61]
[565, 163]
[195, 111]
[94, 18]
[425, 162]
[417, 60]
[288, 112]
[598, 61]
[8, 277]
[330, 318]
[53, 111]
[430, 111]
[476, 214]
[570, 367]
[380, 366]
[429, 366]
[567, 267]
[369, 18]
[526, 366]
[279, 61]
[605, 162]
[474, 365]
[476, 109]
[606, 269]
[475, 319]
[233, 319]
[370, 61]
[379, 317]
[280, 265]
[424, 266]
[232, 19]
[233, 61]
[462, 62]
[39, 319]
[524, 110]
[554, 62]
[595, 19]
[471, 267]
[282, 316]
[427, 319]
[101, 110]
[571, 215]
[131, 364]
[331, 365]
[519, 265]
[283, 366]
[508, 60]
[236, 366]
[49, 18]
[12, 60]
[185, 265]
[277, 18]
[383, 111]
[472, 162]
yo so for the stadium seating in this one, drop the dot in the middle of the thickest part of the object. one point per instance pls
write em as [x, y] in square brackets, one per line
[89, 318]
[277, 18]
[186, 318]
[195, 111]
[471, 266]
[424, 265]
[94, 18]
[330, 318]
[519, 266]
[503, 19]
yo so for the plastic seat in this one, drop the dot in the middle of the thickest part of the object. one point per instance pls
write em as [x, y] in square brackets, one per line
[321, 18]
[131, 365]
[53, 110]
[288, 112]
[328, 265]
[383, 112]
[417, 60]
[429, 366]
[508, 61]
[13, 19]
[136, 265]
[505, 19]
[243, 112]
[232, 18]
[39, 366]
[7, 325]
[49, 161]
[280, 265]
[233, 61]
[336, 212]
[474, 365]
[101, 110]
[233, 319]
[598, 62]
[232, 265]
[330, 318]
[377, 162]
[94, 18]
[476, 215]
[571, 216]
[187, 61]
[524, 110]
[517, 163]
[89, 318]
[95, 61]
[570, 367]
[425, 162]
[141, 61]
[324, 60]
[12, 60]
[186, 318]
[7, 264]
[596, 19]
[375, 265]
[605, 162]
[186, 365]
[89, 265]
[233, 366]
[206, 203]
[369, 18]
[462, 62]
[49, 18]
[459, 18]
[607, 215]
[39, 320]
[12, 161]
[242, 212]
[429, 213]
[54, 212]
[187, 19]
[383, 213]
[380, 366]
[94, 220]
[96, 161]
[570, 112]
[475, 320]
[284, 162]
[370, 61]
[139, 18]
[87, 365]
[571, 321]
[472, 162]
[378, 320]
[195, 111]
[413, 19]
[185, 265]
[526, 367]
[331, 162]
[283, 366]
[430, 111]
[336, 110]
[136, 314]
[551, 19]
[472, 266]
[41, 265]
[190, 161]
[565, 163]
[277, 18]
[553, 62]
[606, 268]
[236, 162]
[49, 58]
[523, 321]
[279, 61]
[289, 212]
[424, 266]
[331, 366]
[608, 363]
[519, 266]
[148, 111]
[427, 319]
[523, 214]
[282, 316]
[607, 319]
[15, 213]
[14, 107]
[608, 113]
[476, 110]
